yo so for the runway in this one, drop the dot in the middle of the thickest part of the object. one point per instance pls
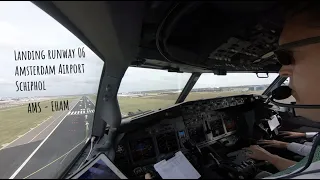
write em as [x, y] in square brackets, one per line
[46, 150]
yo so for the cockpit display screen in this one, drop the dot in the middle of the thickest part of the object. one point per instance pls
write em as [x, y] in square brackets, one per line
[98, 168]
[142, 149]
[99, 171]
[230, 125]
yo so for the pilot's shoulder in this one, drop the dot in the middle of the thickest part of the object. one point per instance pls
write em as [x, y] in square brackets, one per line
[315, 166]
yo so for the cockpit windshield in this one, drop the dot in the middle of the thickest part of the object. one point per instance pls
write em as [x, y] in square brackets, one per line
[142, 90]
[212, 86]
[48, 78]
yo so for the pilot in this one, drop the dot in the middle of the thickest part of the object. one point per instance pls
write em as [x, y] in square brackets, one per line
[301, 149]
[302, 65]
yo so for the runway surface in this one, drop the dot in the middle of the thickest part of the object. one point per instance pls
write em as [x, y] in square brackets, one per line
[46, 150]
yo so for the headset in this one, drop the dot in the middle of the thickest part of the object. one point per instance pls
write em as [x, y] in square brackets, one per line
[283, 92]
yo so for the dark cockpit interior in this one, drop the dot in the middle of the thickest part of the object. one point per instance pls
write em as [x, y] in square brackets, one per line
[214, 36]
[217, 37]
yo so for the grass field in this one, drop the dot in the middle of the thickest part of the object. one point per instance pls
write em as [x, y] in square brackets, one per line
[93, 98]
[133, 104]
[17, 121]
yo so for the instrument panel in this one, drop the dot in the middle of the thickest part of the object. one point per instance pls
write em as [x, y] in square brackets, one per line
[204, 125]
[203, 122]
[204, 130]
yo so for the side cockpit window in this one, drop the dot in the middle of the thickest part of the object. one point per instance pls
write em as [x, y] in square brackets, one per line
[49, 80]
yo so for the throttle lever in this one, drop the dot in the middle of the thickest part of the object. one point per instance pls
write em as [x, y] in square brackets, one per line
[214, 158]
[192, 146]
[195, 150]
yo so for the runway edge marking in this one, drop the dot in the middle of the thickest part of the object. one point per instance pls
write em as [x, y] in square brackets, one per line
[91, 101]
[20, 136]
[32, 154]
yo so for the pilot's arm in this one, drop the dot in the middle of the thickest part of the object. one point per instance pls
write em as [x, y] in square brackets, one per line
[290, 134]
[258, 153]
[301, 149]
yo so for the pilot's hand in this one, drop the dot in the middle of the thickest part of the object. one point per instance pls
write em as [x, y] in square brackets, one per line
[290, 134]
[147, 176]
[257, 152]
[273, 143]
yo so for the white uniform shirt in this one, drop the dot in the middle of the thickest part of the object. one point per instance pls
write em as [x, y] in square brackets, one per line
[302, 149]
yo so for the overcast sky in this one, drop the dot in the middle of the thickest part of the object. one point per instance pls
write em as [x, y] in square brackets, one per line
[23, 26]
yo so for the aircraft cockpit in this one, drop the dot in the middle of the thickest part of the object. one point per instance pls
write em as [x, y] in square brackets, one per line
[183, 85]
[197, 38]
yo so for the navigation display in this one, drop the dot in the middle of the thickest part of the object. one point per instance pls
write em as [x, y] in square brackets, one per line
[99, 171]
[230, 125]
[142, 149]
